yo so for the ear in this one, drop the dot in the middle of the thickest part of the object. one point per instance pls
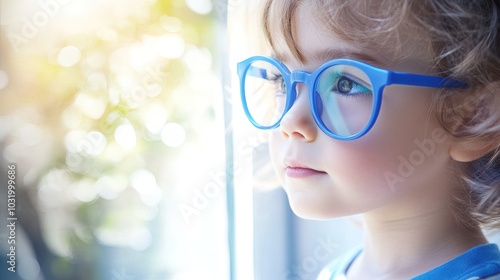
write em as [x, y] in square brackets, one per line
[481, 107]
[465, 152]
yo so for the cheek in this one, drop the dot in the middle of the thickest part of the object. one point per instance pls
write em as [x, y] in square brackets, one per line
[355, 169]
[404, 154]
[406, 145]
[404, 151]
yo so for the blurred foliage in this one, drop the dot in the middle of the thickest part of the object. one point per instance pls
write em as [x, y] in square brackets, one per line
[102, 109]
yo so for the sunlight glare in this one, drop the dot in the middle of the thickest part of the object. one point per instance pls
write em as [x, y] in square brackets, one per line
[110, 187]
[84, 190]
[173, 135]
[144, 182]
[91, 106]
[125, 136]
[69, 56]
[170, 46]
[201, 7]
[198, 60]
[154, 117]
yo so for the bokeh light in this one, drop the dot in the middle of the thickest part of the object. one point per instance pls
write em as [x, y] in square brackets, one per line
[170, 46]
[69, 56]
[125, 136]
[104, 105]
[173, 135]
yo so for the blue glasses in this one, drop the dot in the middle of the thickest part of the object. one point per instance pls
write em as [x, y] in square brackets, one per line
[344, 95]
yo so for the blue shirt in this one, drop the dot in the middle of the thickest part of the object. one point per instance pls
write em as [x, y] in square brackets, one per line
[477, 263]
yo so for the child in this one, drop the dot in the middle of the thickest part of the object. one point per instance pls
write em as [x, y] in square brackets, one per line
[390, 109]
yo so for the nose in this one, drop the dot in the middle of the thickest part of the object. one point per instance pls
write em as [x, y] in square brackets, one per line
[298, 122]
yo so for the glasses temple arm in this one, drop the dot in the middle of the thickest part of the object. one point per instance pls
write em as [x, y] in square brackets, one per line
[410, 79]
[257, 72]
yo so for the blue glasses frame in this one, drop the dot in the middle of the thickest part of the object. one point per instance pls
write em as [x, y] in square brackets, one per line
[378, 77]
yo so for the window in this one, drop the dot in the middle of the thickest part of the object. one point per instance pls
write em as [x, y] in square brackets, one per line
[112, 114]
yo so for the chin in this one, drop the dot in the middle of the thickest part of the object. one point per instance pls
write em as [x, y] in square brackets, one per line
[313, 211]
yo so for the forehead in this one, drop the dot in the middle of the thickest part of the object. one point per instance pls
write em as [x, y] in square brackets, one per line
[317, 44]
[365, 30]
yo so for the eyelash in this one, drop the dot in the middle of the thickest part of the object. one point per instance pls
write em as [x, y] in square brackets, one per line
[360, 89]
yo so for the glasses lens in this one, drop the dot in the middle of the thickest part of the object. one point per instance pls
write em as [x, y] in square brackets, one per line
[265, 93]
[344, 99]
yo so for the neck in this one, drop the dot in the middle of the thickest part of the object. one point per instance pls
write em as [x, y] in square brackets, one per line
[406, 244]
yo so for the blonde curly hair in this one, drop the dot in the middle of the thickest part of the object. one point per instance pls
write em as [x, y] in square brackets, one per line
[464, 38]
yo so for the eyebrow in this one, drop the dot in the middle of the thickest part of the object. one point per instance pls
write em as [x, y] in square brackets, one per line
[330, 54]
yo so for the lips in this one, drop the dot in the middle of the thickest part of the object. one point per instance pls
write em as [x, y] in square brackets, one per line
[295, 169]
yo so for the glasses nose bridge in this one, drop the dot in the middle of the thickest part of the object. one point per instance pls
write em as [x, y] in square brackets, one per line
[299, 77]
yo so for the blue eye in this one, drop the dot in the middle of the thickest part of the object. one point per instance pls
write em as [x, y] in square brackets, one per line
[347, 86]
[344, 81]
[344, 85]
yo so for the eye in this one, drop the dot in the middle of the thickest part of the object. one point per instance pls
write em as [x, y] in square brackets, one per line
[344, 80]
[344, 85]
[279, 84]
[348, 86]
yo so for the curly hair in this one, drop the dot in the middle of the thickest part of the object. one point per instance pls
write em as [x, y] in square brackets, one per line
[464, 39]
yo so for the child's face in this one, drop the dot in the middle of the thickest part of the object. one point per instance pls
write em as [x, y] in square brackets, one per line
[403, 160]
